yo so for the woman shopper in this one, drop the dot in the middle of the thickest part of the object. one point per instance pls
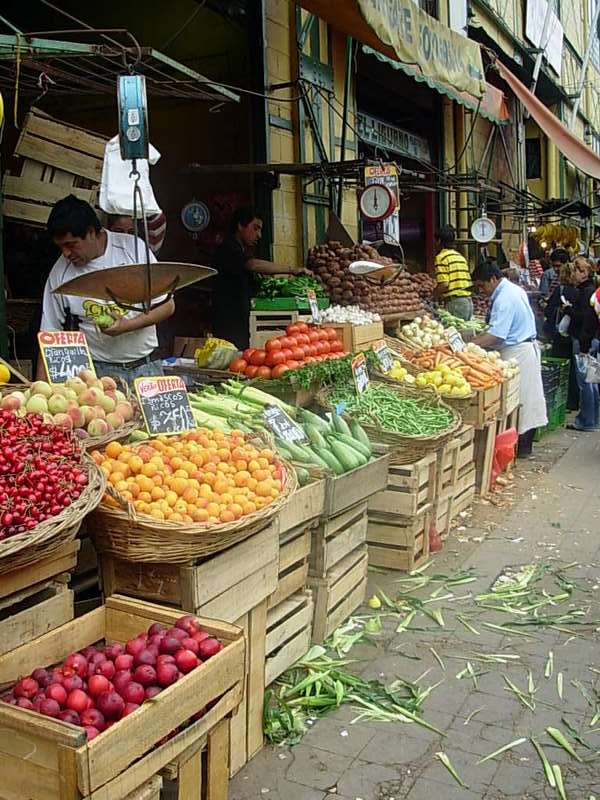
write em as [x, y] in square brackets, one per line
[558, 322]
[584, 332]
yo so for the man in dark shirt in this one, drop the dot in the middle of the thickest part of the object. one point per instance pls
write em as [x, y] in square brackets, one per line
[234, 263]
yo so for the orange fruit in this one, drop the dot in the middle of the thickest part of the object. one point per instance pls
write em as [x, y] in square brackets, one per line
[213, 509]
[157, 493]
[226, 516]
[135, 464]
[113, 449]
[171, 498]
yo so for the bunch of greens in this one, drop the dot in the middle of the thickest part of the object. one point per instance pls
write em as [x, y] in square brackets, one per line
[295, 286]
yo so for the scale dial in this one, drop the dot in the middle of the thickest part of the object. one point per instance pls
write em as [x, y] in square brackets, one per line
[377, 202]
[483, 230]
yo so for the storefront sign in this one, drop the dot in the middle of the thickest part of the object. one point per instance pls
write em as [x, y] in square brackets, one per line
[282, 425]
[381, 134]
[387, 229]
[360, 372]
[553, 38]
[165, 405]
[384, 355]
[419, 39]
[65, 354]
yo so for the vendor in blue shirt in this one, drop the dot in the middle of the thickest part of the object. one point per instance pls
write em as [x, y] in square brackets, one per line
[512, 332]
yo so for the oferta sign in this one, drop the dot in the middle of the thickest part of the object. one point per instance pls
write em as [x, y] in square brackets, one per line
[420, 40]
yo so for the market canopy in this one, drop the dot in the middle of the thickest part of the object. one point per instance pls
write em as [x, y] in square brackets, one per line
[492, 105]
[572, 148]
[400, 30]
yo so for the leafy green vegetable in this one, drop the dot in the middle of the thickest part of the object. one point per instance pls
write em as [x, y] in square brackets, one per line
[271, 287]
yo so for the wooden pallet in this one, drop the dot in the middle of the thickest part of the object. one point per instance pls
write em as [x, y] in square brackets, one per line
[32, 612]
[339, 593]
[289, 630]
[454, 457]
[410, 488]
[43, 758]
[294, 553]
[344, 491]
[510, 397]
[335, 537]
[57, 159]
[303, 507]
[455, 500]
[399, 542]
[62, 561]
[485, 440]
[268, 324]
[483, 407]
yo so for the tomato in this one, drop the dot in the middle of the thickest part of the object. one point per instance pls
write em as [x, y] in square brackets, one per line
[322, 335]
[247, 353]
[312, 350]
[279, 370]
[292, 330]
[273, 344]
[264, 372]
[293, 342]
[287, 353]
[309, 359]
[298, 354]
[326, 346]
[274, 357]
[251, 371]
[302, 338]
[320, 348]
[335, 346]
[238, 365]
[331, 333]
[313, 335]
[302, 327]
[257, 359]
[292, 364]
[285, 342]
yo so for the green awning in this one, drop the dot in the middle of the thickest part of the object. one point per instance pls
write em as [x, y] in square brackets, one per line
[492, 107]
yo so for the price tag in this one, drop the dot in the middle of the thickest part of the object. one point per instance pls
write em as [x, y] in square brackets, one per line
[314, 306]
[455, 340]
[165, 404]
[384, 355]
[65, 354]
[282, 425]
[360, 372]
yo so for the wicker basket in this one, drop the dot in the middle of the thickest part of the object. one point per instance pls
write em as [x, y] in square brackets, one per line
[407, 449]
[51, 534]
[131, 537]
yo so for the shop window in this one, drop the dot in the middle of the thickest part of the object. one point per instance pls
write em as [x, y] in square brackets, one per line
[430, 6]
[533, 158]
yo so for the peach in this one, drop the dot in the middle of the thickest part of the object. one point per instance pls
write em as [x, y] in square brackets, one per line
[57, 404]
[91, 397]
[77, 417]
[76, 385]
[87, 376]
[125, 409]
[97, 427]
[107, 403]
[37, 404]
[89, 413]
[108, 383]
[41, 387]
[13, 401]
[63, 421]
[115, 420]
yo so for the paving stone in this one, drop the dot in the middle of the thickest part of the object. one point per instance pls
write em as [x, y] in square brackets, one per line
[363, 779]
[391, 749]
[477, 776]
[335, 736]
[428, 790]
[319, 769]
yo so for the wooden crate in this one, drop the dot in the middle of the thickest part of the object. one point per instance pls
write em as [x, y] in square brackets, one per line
[56, 160]
[149, 791]
[339, 593]
[358, 337]
[457, 499]
[399, 542]
[304, 506]
[410, 488]
[454, 457]
[294, 552]
[32, 612]
[511, 420]
[510, 396]
[335, 537]
[22, 578]
[344, 491]
[267, 324]
[485, 440]
[483, 407]
[289, 630]
[43, 758]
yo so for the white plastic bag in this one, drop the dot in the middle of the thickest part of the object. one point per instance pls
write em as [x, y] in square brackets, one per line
[116, 187]
[592, 370]
[563, 325]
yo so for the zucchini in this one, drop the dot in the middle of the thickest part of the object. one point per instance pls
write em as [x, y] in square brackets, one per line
[302, 475]
[283, 449]
[331, 461]
[355, 444]
[314, 435]
[350, 459]
[340, 425]
[308, 417]
[300, 453]
[360, 435]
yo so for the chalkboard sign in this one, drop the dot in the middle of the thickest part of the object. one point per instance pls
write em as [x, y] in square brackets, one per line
[65, 354]
[360, 372]
[282, 425]
[165, 404]
[455, 340]
[384, 355]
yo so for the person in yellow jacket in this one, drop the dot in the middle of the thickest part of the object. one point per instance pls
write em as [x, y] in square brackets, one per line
[454, 285]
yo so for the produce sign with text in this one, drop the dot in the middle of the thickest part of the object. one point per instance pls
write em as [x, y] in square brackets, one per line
[65, 354]
[165, 404]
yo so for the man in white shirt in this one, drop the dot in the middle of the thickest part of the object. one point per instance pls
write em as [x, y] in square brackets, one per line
[125, 347]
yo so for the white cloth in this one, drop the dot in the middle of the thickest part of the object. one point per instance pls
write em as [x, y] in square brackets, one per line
[120, 250]
[531, 395]
[116, 187]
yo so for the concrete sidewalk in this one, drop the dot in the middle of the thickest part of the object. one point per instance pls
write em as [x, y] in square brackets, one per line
[553, 519]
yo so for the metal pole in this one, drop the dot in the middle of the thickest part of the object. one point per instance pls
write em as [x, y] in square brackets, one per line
[542, 48]
[347, 79]
[586, 61]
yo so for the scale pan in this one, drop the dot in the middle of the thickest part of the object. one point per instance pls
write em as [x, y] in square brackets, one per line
[128, 283]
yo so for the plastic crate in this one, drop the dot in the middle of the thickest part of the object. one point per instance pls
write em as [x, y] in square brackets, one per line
[286, 303]
[555, 379]
[556, 418]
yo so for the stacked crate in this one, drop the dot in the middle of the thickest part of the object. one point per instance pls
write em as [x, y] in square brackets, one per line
[456, 479]
[555, 380]
[400, 516]
[338, 556]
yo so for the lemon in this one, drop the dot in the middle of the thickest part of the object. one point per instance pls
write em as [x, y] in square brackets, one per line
[445, 388]
[421, 380]
[374, 602]
[4, 374]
